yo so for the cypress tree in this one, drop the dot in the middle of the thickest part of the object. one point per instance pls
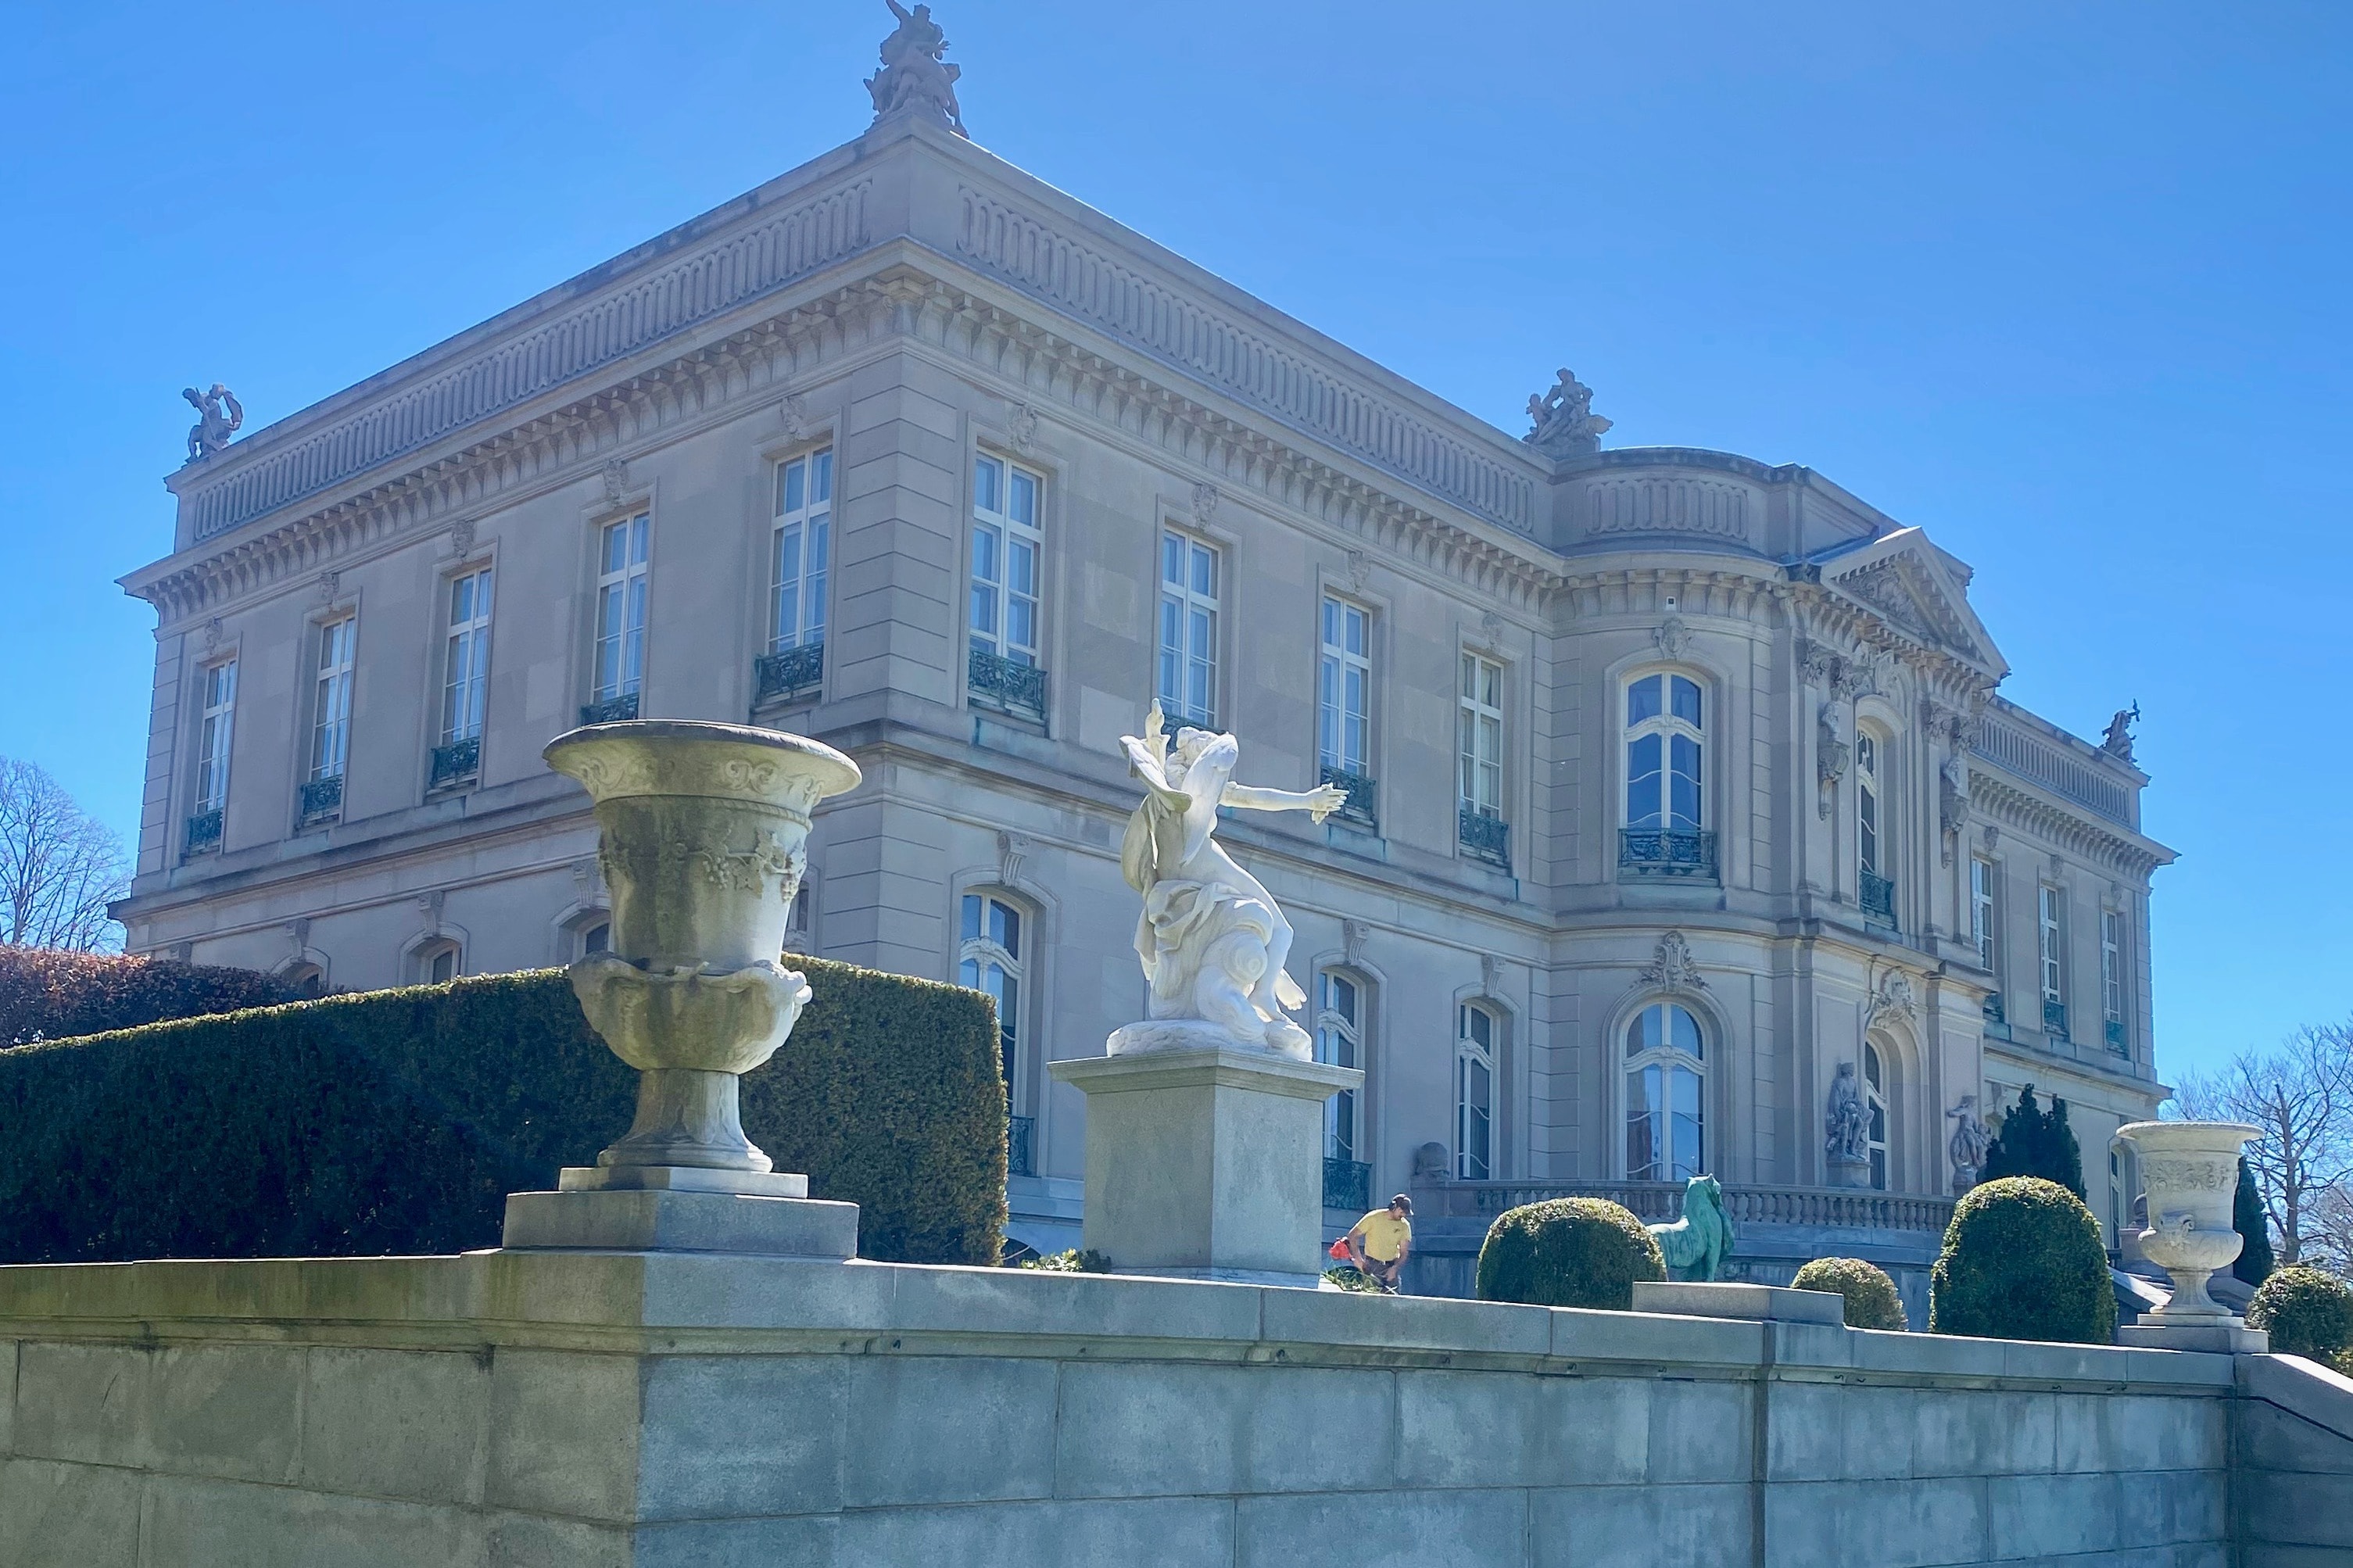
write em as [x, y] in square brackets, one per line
[2254, 1265]
[2062, 1159]
[2013, 1149]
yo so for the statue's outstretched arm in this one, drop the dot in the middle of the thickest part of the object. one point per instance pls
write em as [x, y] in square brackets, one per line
[1320, 802]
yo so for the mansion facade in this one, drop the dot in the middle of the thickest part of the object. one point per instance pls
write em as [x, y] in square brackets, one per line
[1676, 780]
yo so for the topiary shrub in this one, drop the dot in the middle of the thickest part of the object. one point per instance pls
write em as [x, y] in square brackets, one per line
[1871, 1299]
[2307, 1313]
[2024, 1260]
[396, 1122]
[1568, 1252]
[56, 994]
[2254, 1263]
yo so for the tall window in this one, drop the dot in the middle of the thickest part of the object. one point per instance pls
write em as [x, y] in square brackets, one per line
[1664, 1131]
[465, 675]
[1866, 800]
[1479, 736]
[621, 609]
[1344, 689]
[213, 739]
[331, 723]
[1005, 546]
[2112, 975]
[990, 960]
[438, 963]
[798, 561]
[1474, 1092]
[1340, 1040]
[1981, 909]
[1874, 1094]
[1664, 739]
[1189, 630]
[2052, 946]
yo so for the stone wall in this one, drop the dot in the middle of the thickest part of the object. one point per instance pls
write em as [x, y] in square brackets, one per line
[2292, 1464]
[593, 1409]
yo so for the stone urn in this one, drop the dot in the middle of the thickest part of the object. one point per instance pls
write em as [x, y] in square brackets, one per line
[704, 832]
[2190, 1173]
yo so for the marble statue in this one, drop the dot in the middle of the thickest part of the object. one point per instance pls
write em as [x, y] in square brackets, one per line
[913, 76]
[1970, 1142]
[219, 415]
[1211, 938]
[1565, 423]
[1696, 1244]
[2118, 742]
[1849, 1144]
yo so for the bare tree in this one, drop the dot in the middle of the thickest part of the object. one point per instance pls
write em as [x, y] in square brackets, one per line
[2332, 1241]
[2301, 1095]
[58, 865]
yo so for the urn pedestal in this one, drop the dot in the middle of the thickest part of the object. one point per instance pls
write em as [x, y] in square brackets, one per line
[703, 829]
[2191, 1172]
[1207, 1162]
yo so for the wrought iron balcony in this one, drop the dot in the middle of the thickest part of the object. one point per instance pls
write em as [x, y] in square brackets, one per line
[1878, 898]
[203, 831]
[1484, 838]
[455, 763]
[1361, 807]
[1019, 1161]
[322, 798]
[611, 710]
[2118, 1040]
[1996, 1021]
[788, 673]
[1647, 852]
[2054, 1018]
[1001, 683]
[1347, 1185]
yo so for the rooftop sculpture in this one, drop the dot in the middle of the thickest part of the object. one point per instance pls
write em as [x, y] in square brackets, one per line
[2118, 742]
[219, 415]
[1565, 425]
[913, 76]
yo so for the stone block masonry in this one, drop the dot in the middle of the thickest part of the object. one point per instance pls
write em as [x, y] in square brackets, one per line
[626, 1410]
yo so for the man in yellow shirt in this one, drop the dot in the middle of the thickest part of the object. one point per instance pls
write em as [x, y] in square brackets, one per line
[1378, 1242]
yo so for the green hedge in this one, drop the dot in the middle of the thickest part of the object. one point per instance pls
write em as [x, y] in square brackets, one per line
[396, 1122]
[2024, 1260]
[1568, 1252]
[1871, 1299]
[2307, 1313]
[57, 994]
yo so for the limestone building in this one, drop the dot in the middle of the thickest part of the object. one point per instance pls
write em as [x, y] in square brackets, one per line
[1676, 779]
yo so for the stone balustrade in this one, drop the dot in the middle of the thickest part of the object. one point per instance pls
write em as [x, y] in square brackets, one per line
[1659, 1202]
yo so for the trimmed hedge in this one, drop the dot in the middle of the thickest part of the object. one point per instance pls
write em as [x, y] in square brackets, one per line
[1871, 1299]
[1568, 1252]
[2024, 1260]
[57, 994]
[396, 1122]
[2307, 1313]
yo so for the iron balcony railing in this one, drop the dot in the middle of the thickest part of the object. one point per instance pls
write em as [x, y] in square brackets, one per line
[788, 673]
[1482, 837]
[1649, 852]
[1362, 806]
[1006, 685]
[1347, 1185]
[1878, 898]
[1020, 1158]
[1655, 1202]
[457, 762]
[611, 710]
[1996, 1022]
[203, 831]
[322, 798]
[2114, 1028]
[2054, 1018]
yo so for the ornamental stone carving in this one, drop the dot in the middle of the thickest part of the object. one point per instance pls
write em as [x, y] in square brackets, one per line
[2191, 1171]
[1832, 754]
[1021, 425]
[616, 475]
[1563, 422]
[1847, 1131]
[1970, 1143]
[219, 418]
[2119, 741]
[1895, 998]
[914, 79]
[1672, 636]
[793, 415]
[1204, 502]
[1953, 801]
[461, 536]
[1671, 966]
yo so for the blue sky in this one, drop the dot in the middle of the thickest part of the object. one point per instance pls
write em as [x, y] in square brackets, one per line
[2064, 284]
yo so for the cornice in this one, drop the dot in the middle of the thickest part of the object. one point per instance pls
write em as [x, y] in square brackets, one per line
[2127, 853]
[1852, 626]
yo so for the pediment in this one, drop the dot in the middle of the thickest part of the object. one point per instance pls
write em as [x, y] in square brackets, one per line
[1914, 586]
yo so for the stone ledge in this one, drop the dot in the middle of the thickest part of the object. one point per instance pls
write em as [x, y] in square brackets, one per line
[1770, 1303]
[657, 1219]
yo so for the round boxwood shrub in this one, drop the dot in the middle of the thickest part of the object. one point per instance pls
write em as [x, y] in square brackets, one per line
[2307, 1313]
[2022, 1260]
[1568, 1252]
[1871, 1299]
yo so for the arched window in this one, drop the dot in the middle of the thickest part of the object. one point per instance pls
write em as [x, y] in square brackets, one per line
[1874, 1092]
[1666, 1131]
[438, 963]
[1340, 1040]
[1665, 739]
[992, 958]
[1476, 1034]
[596, 936]
[305, 981]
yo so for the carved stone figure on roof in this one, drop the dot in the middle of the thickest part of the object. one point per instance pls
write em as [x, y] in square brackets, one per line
[913, 76]
[1565, 423]
[2118, 742]
[219, 415]
[1211, 938]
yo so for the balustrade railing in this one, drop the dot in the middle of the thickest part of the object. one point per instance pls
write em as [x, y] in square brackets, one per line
[2054, 1018]
[322, 798]
[456, 763]
[1662, 1202]
[611, 710]
[1006, 684]
[2114, 1029]
[1361, 808]
[1347, 1185]
[203, 831]
[788, 673]
[1020, 1159]
[1878, 898]
[1647, 852]
[1484, 838]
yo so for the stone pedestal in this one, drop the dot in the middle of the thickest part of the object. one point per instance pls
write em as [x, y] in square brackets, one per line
[681, 1208]
[2224, 1336]
[1849, 1173]
[1207, 1163]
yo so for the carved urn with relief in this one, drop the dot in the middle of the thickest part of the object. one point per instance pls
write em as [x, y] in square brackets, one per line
[704, 839]
[2190, 1173]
